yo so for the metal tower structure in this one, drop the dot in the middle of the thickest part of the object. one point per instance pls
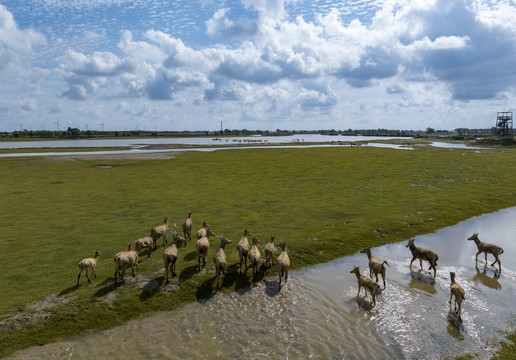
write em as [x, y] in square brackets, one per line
[504, 124]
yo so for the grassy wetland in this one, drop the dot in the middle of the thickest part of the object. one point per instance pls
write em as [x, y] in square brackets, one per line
[326, 202]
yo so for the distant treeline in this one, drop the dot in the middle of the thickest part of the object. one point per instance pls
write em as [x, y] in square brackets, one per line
[75, 133]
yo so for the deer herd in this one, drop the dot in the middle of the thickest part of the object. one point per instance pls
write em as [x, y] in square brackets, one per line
[377, 266]
[130, 258]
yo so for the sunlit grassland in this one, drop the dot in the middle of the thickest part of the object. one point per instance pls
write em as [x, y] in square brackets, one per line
[326, 202]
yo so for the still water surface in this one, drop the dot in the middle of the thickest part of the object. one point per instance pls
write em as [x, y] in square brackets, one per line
[186, 141]
[317, 315]
[137, 146]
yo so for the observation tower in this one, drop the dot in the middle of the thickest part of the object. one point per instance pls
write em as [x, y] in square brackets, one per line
[504, 124]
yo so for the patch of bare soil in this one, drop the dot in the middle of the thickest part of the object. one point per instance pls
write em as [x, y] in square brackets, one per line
[109, 299]
[147, 283]
[49, 302]
[210, 270]
[128, 156]
[35, 312]
[150, 283]
[23, 319]
[172, 286]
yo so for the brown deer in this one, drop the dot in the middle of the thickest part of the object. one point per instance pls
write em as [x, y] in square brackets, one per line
[422, 254]
[487, 248]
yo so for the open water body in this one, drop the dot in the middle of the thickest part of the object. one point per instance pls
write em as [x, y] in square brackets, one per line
[137, 145]
[137, 151]
[318, 315]
[186, 141]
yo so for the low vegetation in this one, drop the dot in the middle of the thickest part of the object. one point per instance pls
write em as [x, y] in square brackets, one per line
[496, 141]
[326, 202]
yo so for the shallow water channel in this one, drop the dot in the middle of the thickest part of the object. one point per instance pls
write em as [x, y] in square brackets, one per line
[138, 146]
[318, 315]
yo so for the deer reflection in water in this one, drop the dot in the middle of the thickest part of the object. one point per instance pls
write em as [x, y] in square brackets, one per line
[486, 280]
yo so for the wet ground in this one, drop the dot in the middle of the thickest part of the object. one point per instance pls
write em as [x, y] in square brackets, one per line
[318, 314]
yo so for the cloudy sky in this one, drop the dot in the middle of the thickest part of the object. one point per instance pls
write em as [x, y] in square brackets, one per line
[256, 64]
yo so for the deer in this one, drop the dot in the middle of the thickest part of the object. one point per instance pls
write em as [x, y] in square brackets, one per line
[487, 248]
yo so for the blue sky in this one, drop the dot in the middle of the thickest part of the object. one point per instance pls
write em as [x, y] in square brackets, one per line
[262, 64]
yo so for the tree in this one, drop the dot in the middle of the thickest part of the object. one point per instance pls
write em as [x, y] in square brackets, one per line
[73, 133]
[430, 130]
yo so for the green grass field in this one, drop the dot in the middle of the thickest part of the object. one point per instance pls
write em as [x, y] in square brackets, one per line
[326, 202]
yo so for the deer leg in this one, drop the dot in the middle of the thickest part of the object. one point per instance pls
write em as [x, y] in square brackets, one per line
[496, 260]
[414, 258]
[78, 277]
[499, 263]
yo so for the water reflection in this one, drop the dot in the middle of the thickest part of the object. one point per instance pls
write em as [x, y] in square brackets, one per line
[487, 280]
[318, 315]
[364, 304]
[422, 281]
[455, 326]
